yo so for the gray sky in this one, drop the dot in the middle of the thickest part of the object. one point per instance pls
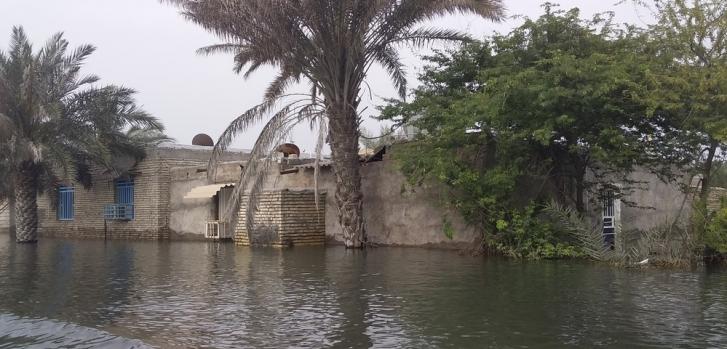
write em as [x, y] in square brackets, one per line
[148, 46]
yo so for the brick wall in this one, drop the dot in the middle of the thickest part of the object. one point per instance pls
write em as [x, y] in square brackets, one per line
[151, 181]
[284, 218]
[152, 197]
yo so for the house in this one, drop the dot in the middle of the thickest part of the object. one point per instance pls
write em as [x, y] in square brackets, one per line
[168, 195]
[136, 204]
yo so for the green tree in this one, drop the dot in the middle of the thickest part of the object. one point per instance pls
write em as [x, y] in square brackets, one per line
[331, 45]
[55, 123]
[556, 108]
[690, 42]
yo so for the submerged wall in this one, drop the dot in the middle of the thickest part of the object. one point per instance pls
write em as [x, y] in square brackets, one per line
[646, 203]
[397, 214]
[394, 214]
[187, 217]
[284, 218]
[658, 204]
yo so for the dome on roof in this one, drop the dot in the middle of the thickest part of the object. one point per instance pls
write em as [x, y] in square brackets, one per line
[289, 149]
[203, 140]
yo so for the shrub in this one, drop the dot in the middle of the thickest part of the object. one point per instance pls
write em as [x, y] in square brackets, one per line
[524, 233]
[715, 236]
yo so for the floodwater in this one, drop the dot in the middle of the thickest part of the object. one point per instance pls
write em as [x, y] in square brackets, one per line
[89, 294]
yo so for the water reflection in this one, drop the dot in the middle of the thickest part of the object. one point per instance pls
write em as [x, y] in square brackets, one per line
[83, 293]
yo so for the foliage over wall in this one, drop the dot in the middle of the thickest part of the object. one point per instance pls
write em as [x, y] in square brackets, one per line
[560, 109]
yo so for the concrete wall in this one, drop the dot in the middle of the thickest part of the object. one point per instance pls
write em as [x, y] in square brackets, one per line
[398, 215]
[188, 216]
[649, 204]
[659, 204]
[391, 216]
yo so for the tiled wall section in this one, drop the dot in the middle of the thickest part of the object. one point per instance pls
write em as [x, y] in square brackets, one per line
[304, 222]
[284, 218]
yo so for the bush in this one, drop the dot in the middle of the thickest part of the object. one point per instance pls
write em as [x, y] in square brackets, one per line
[526, 234]
[715, 236]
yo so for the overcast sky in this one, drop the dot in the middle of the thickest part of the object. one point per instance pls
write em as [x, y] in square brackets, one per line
[149, 47]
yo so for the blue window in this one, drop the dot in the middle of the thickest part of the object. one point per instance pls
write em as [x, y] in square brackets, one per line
[124, 195]
[125, 192]
[65, 203]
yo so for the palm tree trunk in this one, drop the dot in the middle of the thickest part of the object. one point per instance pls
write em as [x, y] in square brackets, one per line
[26, 206]
[344, 136]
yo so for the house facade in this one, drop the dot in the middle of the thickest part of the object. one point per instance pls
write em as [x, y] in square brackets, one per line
[135, 205]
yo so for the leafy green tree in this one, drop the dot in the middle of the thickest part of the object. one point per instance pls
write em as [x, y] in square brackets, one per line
[55, 123]
[331, 45]
[556, 108]
[690, 43]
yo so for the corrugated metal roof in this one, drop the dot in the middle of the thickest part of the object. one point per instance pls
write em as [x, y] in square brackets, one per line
[206, 191]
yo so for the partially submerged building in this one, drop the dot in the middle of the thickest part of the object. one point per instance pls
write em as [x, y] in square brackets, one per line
[169, 195]
[136, 204]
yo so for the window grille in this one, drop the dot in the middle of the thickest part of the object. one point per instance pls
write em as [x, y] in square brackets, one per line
[66, 196]
[123, 208]
[609, 218]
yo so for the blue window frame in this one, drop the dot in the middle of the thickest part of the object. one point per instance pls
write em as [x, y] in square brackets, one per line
[66, 196]
[124, 195]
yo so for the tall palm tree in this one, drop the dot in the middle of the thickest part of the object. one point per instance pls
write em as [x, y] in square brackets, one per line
[331, 45]
[56, 123]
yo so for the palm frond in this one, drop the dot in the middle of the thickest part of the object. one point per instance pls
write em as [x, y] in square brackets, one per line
[589, 238]
[220, 48]
[331, 44]
[261, 158]
[425, 36]
[389, 59]
[52, 118]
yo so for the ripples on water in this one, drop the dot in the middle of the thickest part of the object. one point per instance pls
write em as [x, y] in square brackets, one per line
[84, 294]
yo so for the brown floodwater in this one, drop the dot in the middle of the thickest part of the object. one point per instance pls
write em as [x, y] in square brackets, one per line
[90, 294]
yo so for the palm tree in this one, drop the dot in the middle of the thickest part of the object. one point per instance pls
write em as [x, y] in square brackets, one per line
[331, 45]
[55, 123]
